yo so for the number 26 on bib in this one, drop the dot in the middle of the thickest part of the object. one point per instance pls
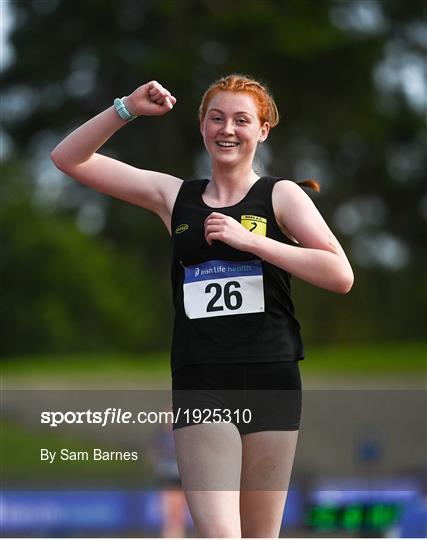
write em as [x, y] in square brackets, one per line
[218, 288]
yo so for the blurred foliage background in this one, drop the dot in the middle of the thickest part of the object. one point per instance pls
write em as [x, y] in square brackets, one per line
[83, 272]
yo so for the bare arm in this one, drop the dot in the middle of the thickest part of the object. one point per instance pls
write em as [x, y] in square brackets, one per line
[76, 155]
[319, 259]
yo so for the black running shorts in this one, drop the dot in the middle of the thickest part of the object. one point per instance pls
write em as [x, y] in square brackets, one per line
[254, 397]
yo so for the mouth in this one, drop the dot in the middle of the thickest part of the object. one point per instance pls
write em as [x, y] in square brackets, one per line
[226, 144]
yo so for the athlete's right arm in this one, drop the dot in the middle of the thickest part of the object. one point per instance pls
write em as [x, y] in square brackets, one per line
[76, 155]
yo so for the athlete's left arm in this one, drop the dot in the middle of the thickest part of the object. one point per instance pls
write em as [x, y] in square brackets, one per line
[319, 258]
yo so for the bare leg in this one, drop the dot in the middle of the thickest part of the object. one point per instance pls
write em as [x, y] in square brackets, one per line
[209, 458]
[266, 469]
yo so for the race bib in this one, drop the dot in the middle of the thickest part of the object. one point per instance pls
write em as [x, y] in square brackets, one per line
[217, 288]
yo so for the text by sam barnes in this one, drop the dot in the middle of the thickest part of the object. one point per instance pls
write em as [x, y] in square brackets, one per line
[96, 454]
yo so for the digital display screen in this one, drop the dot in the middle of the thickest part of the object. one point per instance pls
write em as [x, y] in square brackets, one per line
[354, 504]
[375, 517]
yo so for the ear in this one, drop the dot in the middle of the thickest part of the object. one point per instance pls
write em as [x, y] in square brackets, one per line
[264, 131]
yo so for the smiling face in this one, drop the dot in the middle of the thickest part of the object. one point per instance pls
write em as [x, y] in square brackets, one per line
[231, 128]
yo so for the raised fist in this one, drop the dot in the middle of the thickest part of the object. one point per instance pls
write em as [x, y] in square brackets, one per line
[150, 99]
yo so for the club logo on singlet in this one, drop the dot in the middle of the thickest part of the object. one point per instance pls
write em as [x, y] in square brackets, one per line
[181, 228]
[216, 288]
[255, 224]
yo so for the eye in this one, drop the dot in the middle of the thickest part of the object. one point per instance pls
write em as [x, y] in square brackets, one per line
[241, 121]
[216, 118]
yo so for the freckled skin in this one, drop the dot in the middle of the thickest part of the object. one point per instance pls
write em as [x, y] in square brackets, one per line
[265, 468]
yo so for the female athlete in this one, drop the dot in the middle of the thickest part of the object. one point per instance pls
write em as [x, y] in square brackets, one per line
[236, 240]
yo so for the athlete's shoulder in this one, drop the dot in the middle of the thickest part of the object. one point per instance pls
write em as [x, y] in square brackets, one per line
[283, 186]
[193, 184]
[282, 181]
[286, 196]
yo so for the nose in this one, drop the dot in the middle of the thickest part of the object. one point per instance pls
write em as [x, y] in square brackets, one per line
[227, 127]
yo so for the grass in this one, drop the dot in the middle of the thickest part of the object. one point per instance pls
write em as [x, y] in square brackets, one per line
[385, 358]
[97, 363]
[364, 359]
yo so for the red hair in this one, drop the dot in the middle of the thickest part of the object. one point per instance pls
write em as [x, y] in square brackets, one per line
[267, 110]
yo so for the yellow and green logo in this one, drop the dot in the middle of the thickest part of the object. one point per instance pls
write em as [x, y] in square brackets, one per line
[181, 228]
[255, 224]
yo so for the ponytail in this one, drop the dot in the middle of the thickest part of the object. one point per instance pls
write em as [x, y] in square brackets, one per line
[310, 184]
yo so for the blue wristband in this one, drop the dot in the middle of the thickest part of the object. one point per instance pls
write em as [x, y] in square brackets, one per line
[122, 110]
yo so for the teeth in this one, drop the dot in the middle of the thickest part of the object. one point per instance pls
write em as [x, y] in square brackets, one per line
[220, 143]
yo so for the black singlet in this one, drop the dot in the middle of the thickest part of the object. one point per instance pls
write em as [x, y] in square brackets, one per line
[230, 307]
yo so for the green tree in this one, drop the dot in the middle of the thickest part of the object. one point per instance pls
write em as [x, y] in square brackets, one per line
[62, 291]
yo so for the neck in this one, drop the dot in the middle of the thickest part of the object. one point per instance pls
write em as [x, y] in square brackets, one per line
[228, 182]
[229, 185]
